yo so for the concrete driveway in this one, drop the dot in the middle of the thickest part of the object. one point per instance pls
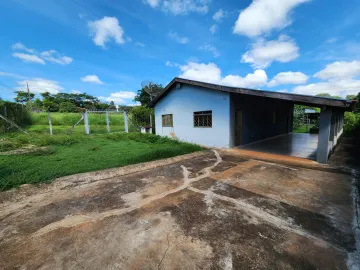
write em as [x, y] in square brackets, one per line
[209, 210]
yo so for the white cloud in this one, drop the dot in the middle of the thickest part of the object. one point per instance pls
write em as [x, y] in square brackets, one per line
[139, 44]
[121, 97]
[29, 58]
[8, 74]
[39, 85]
[263, 53]
[105, 30]
[339, 70]
[92, 79]
[262, 16]
[153, 3]
[288, 78]
[210, 48]
[331, 40]
[21, 47]
[219, 15]
[171, 64]
[54, 57]
[341, 88]
[211, 73]
[180, 7]
[182, 40]
[213, 28]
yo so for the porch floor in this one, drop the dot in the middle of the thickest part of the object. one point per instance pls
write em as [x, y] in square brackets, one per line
[301, 145]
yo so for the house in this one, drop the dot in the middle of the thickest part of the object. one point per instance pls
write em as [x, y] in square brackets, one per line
[221, 116]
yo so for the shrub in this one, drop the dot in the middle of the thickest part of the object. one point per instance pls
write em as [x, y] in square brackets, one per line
[349, 122]
[14, 112]
[67, 106]
[140, 116]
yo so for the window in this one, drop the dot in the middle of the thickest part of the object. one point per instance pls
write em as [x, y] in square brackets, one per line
[203, 119]
[167, 120]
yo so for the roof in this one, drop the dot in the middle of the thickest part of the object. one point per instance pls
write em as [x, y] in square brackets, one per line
[295, 98]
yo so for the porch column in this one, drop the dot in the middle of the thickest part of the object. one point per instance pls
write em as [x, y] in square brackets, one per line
[336, 135]
[324, 135]
[332, 136]
[290, 118]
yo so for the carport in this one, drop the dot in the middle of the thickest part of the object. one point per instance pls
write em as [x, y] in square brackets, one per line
[263, 123]
[294, 144]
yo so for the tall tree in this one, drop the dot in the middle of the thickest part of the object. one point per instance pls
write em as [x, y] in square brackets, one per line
[143, 95]
[23, 97]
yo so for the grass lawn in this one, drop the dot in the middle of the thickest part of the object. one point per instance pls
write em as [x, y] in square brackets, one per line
[302, 129]
[66, 155]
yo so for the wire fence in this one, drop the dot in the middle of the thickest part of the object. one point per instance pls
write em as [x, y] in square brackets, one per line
[86, 122]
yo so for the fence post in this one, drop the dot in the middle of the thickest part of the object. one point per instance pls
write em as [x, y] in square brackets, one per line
[151, 129]
[50, 124]
[86, 123]
[126, 122]
[107, 122]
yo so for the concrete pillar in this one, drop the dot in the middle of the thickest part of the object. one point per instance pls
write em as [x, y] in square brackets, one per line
[290, 118]
[332, 131]
[324, 135]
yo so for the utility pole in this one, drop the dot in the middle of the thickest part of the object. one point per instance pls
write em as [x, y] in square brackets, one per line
[29, 98]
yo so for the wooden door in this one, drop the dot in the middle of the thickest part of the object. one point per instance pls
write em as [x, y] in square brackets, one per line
[238, 127]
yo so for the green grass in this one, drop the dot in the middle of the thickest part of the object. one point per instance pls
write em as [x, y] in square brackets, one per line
[66, 155]
[62, 122]
[302, 129]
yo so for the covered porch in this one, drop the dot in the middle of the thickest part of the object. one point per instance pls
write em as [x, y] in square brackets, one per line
[301, 145]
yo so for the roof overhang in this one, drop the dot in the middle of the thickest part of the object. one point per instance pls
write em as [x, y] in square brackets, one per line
[295, 98]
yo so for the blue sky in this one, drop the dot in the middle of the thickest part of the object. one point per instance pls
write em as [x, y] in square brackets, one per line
[107, 48]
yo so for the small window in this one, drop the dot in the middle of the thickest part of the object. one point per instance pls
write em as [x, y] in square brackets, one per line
[203, 119]
[167, 120]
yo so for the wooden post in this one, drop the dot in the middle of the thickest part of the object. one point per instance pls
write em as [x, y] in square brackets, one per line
[50, 124]
[151, 129]
[107, 122]
[126, 122]
[86, 123]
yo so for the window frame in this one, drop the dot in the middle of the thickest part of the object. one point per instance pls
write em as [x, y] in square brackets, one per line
[201, 115]
[171, 120]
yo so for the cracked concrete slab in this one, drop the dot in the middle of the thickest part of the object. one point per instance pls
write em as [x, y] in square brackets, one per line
[211, 210]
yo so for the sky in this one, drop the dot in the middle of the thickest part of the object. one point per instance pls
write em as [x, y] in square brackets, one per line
[107, 48]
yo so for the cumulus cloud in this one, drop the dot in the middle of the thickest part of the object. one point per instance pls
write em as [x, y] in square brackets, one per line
[29, 58]
[339, 70]
[39, 85]
[262, 16]
[35, 57]
[288, 78]
[139, 44]
[219, 15]
[180, 7]
[210, 48]
[211, 73]
[91, 79]
[54, 57]
[263, 53]
[171, 64]
[121, 97]
[105, 30]
[182, 40]
[341, 88]
[21, 47]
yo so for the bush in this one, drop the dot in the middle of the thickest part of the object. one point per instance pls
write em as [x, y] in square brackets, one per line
[14, 112]
[67, 106]
[349, 122]
[140, 116]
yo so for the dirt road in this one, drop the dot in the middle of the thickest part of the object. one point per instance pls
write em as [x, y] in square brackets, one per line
[205, 211]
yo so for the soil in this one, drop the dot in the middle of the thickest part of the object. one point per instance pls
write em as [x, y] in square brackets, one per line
[215, 210]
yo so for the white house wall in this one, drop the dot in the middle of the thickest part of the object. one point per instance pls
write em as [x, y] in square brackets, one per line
[182, 103]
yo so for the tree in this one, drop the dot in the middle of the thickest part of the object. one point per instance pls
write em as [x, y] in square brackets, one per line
[112, 106]
[67, 106]
[49, 105]
[37, 104]
[140, 115]
[143, 97]
[23, 97]
[351, 97]
[327, 95]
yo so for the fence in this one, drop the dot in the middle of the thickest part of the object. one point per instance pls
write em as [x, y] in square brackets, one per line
[86, 122]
